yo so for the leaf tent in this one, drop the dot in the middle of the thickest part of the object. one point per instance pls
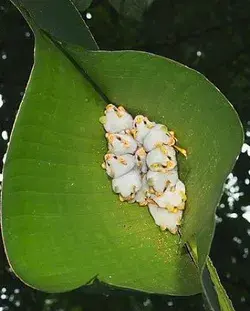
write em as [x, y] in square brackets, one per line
[62, 225]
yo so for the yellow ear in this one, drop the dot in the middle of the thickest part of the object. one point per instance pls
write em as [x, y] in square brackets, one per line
[103, 119]
[108, 156]
[133, 132]
[110, 107]
[171, 165]
[120, 108]
[181, 150]
[150, 125]
[110, 137]
[139, 119]
[122, 161]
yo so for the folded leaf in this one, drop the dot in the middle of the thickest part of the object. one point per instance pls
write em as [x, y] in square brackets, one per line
[62, 224]
[60, 19]
[205, 123]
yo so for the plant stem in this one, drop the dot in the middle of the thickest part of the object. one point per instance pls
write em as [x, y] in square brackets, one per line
[225, 302]
[215, 296]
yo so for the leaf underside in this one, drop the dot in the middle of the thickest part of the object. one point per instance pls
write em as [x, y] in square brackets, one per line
[62, 225]
[204, 121]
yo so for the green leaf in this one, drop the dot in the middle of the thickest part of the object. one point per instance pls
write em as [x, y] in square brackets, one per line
[225, 302]
[61, 20]
[215, 296]
[131, 8]
[206, 124]
[210, 296]
[62, 225]
[82, 5]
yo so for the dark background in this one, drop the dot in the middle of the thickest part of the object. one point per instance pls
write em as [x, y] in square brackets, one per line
[210, 36]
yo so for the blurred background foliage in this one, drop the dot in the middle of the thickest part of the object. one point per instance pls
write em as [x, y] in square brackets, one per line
[209, 36]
